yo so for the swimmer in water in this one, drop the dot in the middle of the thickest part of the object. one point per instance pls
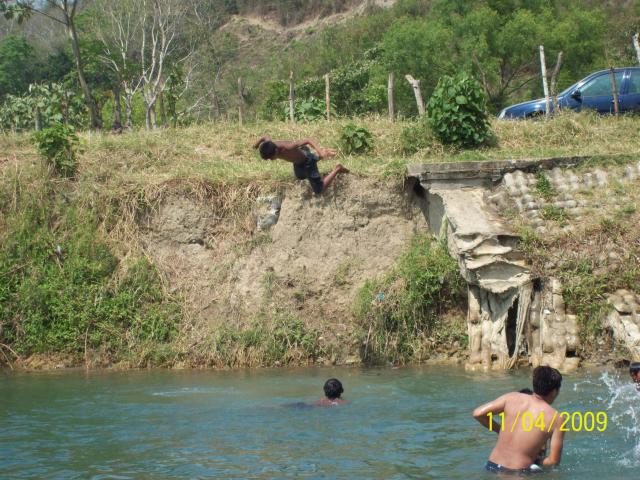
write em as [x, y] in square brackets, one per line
[634, 371]
[517, 450]
[332, 391]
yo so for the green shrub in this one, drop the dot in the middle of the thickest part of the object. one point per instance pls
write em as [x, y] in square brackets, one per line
[403, 311]
[57, 144]
[415, 136]
[309, 109]
[355, 140]
[60, 290]
[457, 112]
[544, 188]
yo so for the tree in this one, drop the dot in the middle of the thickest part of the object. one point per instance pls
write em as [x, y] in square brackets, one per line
[161, 20]
[53, 10]
[118, 25]
[17, 65]
[421, 48]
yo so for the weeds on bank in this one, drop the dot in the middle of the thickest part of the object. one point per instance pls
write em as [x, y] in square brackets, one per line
[554, 213]
[282, 340]
[591, 263]
[401, 315]
[544, 187]
[62, 289]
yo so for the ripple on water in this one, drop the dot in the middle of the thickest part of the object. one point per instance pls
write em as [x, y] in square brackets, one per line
[400, 424]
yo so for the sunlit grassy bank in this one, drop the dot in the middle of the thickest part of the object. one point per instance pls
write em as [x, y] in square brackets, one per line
[98, 299]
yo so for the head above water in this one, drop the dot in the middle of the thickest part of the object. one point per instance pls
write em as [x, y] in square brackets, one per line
[634, 371]
[333, 388]
[268, 150]
[547, 382]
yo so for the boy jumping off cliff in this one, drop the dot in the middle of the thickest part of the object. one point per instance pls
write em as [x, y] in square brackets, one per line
[305, 161]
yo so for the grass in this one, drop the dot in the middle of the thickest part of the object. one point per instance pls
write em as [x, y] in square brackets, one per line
[122, 179]
[282, 340]
[598, 257]
[402, 315]
[222, 153]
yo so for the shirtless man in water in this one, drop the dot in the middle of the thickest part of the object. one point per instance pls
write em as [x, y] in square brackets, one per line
[332, 391]
[634, 372]
[517, 450]
[305, 161]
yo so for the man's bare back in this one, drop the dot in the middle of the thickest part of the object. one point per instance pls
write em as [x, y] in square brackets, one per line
[304, 160]
[528, 421]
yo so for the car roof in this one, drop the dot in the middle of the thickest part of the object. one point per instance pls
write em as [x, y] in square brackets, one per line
[618, 69]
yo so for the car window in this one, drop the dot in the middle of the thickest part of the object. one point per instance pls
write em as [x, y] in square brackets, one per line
[600, 85]
[634, 82]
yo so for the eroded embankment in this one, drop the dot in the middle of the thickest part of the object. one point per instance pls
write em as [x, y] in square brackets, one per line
[286, 294]
[187, 273]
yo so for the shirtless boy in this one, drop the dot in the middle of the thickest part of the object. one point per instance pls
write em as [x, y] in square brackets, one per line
[634, 371]
[305, 162]
[517, 450]
[332, 391]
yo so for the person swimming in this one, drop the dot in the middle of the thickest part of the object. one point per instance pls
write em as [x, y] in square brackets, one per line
[332, 394]
[634, 371]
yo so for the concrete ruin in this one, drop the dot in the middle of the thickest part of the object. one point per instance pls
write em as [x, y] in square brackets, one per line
[512, 316]
[624, 320]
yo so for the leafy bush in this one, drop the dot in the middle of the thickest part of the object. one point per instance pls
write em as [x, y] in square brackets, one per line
[403, 311]
[356, 140]
[415, 136]
[58, 145]
[351, 93]
[59, 290]
[457, 112]
[54, 103]
[308, 110]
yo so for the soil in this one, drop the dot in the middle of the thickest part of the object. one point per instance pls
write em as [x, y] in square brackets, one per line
[310, 264]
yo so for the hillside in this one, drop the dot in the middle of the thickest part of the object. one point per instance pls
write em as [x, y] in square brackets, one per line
[153, 256]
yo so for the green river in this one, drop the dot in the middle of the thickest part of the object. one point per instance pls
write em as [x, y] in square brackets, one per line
[400, 423]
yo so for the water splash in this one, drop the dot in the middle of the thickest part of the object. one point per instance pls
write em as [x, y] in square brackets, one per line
[623, 407]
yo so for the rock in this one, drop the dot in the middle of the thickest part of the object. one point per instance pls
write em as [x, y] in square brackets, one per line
[352, 360]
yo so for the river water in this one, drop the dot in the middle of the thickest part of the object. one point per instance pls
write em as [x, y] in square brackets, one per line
[400, 423]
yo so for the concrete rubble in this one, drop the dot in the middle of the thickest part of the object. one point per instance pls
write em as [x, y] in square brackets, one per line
[624, 320]
[511, 315]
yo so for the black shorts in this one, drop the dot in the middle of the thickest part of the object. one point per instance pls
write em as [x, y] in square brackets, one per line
[496, 468]
[308, 169]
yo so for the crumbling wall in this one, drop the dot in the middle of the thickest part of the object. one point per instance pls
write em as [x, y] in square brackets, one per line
[624, 320]
[511, 315]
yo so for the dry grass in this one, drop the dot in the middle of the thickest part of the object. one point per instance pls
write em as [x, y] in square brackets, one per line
[600, 255]
[124, 178]
[222, 153]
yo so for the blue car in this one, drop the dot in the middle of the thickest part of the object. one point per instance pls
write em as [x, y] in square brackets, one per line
[593, 92]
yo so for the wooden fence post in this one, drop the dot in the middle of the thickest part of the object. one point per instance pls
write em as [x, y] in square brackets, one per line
[327, 97]
[292, 116]
[636, 45]
[390, 96]
[614, 89]
[37, 119]
[545, 86]
[240, 100]
[554, 84]
[416, 90]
